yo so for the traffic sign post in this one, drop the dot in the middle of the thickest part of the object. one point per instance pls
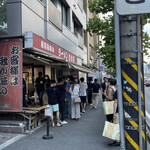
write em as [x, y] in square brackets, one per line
[131, 81]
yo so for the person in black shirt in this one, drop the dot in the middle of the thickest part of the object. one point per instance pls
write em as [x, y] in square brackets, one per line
[61, 101]
[39, 87]
[95, 95]
[90, 91]
[53, 97]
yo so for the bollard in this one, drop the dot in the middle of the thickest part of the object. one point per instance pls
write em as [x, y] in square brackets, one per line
[48, 114]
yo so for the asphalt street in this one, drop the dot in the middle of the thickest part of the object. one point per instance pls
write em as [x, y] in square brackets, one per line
[84, 134]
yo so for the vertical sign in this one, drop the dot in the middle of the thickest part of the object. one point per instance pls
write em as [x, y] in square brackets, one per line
[11, 75]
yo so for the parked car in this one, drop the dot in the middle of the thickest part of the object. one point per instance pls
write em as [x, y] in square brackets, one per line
[147, 83]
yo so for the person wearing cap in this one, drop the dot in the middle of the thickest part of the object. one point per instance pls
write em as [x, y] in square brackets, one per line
[53, 97]
[62, 89]
[40, 87]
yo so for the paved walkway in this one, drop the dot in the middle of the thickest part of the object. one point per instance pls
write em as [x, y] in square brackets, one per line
[84, 134]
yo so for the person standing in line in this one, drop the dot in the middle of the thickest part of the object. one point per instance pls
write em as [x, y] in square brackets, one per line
[95, 94]
[90, 91]
[109, 96]
[24, 93]
[75, 107]
[61, 101]
[53, 97]
[115, 116]
[40, 87]
[103, 87]
[68, 96]
[83, 94]
[47, 81]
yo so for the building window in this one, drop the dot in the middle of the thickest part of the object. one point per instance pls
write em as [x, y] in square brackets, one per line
[77, 26]
[54, 2]
[64, 14]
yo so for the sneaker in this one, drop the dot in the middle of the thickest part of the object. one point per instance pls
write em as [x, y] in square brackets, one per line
[91, 104]
[64, 122]
[83, 111]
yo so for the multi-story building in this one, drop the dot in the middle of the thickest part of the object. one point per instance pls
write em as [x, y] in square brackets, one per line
[52, 39]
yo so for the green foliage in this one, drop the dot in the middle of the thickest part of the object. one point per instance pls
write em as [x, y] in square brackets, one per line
[105, 28]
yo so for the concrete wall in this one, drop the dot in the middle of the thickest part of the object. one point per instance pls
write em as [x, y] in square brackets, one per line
[24, 16]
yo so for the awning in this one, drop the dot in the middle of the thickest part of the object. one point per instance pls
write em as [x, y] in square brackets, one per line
[81, 68]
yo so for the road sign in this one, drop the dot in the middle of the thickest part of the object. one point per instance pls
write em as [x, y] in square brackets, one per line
[131, 7]
[101, 68]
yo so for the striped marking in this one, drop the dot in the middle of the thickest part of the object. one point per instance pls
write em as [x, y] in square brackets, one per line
[134, 66]
[131, 101]
[132, 141]
[132, 83]
[134, 124]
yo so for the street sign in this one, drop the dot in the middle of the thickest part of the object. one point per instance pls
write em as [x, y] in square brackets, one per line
[101, 68]
[131, 7]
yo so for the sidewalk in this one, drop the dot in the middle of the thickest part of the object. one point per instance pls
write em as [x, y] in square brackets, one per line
[84, 134]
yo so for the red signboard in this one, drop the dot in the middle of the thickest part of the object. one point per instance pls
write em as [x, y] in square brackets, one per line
[46, 46]
[11, 75]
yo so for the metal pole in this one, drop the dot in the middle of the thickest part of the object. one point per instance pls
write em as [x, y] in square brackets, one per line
[139, 82]
[119, 83]
[48, 136]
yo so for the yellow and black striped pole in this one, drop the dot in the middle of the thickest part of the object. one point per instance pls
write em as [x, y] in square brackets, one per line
[132, 83]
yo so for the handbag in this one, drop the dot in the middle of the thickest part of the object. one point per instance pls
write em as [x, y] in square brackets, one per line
[108, 107]
[111, 131]
[77, 100]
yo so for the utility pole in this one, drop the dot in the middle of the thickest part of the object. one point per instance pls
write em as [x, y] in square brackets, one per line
[132, 82]
[130, 74]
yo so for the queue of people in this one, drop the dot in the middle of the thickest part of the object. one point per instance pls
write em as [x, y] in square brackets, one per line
[69, 98]
[61, 96]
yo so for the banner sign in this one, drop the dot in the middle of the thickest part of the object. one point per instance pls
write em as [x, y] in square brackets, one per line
[11, 75]
[48, 47]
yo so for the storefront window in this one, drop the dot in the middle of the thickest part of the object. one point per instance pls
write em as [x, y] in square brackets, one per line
[3, 14]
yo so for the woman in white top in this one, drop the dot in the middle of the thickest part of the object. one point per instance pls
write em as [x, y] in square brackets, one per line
[75, 107]
[83, 94]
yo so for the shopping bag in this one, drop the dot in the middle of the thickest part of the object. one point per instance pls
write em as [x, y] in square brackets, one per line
[45, 98]
[111, 131]
[108, 107]
[48, 111]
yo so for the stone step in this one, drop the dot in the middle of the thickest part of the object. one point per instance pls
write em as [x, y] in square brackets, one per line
[13, 126]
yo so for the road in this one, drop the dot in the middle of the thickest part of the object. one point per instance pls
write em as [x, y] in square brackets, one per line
[147, 108]
[84, 134]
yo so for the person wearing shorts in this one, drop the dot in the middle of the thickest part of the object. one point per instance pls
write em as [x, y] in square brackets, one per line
[83, 94]
[53, 96]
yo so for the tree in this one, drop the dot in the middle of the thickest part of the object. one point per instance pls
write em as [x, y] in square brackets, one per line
[106, 29]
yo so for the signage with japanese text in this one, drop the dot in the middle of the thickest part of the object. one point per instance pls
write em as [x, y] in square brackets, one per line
[11, 75]
[48, 47]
